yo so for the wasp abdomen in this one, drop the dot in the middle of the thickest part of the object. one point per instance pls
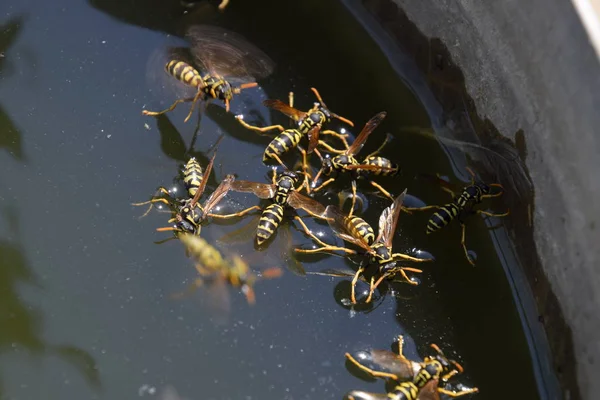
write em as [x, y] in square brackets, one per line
[184, 72]
[383, 163]
[361, 228]
[282, 143]
[192, 176]
[404, 391]
[442, 217]
[269, 221]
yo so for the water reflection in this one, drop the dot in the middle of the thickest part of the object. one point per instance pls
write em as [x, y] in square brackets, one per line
[20, 324]
[11, 136]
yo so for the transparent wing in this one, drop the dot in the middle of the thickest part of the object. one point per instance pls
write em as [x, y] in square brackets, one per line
[312, 206]
[228, 54]
[261, 190]
[220, 192]
[364, 134]
[393, 363]
[389, 220]
[283, 108]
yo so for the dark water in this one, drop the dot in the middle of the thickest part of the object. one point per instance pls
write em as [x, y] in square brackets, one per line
[85, 293]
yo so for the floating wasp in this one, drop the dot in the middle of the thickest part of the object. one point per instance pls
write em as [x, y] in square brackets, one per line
[283, 192]
[309, 124]
[216, 270]
[424, 377]
[219, 58]
[358, 232]
[192, 214]
[346, 161]
[192, 179]
[461, 206]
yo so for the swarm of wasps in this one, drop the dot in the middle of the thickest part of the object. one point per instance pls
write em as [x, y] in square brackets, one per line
[217, 66]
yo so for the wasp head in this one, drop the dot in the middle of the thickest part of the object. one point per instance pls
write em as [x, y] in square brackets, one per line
[327, 165]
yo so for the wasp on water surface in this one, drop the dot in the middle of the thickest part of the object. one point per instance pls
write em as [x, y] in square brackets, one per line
[283, 192]
[191, 214]
[461, 207]
[347, 162]
[217, 271]
[358, 232]
[219, 59]
[421, 379]
[309, 124]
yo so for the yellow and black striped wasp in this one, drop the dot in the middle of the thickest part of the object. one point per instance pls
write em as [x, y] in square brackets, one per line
[347, 162]
[217, 271]
[358, 232]
[219, 59]
[461, 207]
[415, 380]
[309, 124]
[191, 214]
[283, 192]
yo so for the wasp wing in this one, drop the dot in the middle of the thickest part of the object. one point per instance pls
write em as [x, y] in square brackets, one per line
[261, 190]
[313, 138]
[220, 192]
[364, 134]
[389, 220]
[429, 391]
[311, 206]
[394, 363]
[368, 167]
[337, 221]
[283, 108]
[361, 395]
[227, 54]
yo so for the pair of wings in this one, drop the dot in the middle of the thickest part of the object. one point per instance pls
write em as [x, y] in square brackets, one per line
[224, 53]
[216, 196]
[388, 220]
[268, 191]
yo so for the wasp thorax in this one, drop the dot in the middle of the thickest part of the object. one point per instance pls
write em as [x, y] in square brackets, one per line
[485, 189]
[381, 253]
[287, 180]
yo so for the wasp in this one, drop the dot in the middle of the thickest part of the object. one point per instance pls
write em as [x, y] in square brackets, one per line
[192, 179]
[191, 214]
[347, 162]
[216, 270]
[461, 207]
[283, 192]
[218, 59]
[357, 231]
[309, 124]
[421, 378]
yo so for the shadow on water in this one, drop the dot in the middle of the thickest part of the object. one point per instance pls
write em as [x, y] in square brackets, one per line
[20, 324]
[11, 136]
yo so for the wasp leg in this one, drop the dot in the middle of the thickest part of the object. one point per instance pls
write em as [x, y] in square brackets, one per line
[153, 200]
[449, 375]
[420, 208]
[408, 280]
[329, 148]
[353, 199]
[196, 98]
[256, 128]
[325, 246]
[489, 214]
[407, 257]
[305, 167]
[354, 281]
[234, 215]
[178, 101]
[382, 190]
[327, 182]
[373, 154]
[373, 373]
[340, 136]
[373, 287]
[463, 244]
[462, 392]
[223, 4]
